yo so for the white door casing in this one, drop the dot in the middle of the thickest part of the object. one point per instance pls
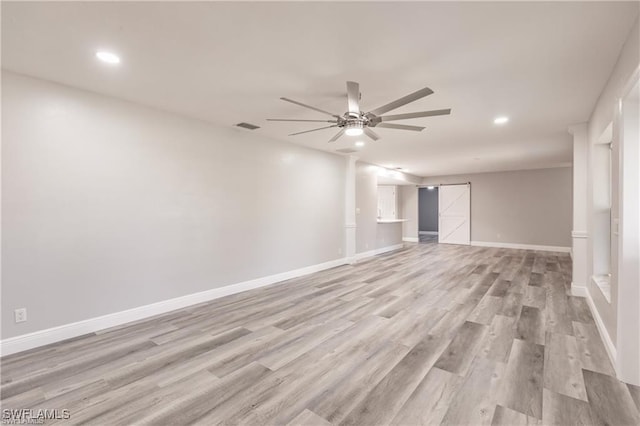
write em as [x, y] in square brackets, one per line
[454, 214]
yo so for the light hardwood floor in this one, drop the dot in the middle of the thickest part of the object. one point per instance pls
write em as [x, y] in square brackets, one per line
[430, 334]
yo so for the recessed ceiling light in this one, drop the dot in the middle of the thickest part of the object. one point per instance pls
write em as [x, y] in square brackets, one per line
[501, 120]
[108, 57]
[359, 143]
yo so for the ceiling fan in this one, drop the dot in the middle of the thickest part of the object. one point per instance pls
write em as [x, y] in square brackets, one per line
[354, 122]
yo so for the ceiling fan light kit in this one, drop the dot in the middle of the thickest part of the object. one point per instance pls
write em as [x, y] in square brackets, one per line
[354, 128]
[355, 122]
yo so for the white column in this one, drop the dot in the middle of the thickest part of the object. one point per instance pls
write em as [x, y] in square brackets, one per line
[350, 209]
[579, 234]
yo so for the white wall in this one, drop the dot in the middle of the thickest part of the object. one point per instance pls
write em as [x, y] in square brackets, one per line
[366, 206]
[518, 207]
[619, 319]
[388, 235]
[603, 114]
[628, 329]
[371, 235]
[409, 211]
[108, 205]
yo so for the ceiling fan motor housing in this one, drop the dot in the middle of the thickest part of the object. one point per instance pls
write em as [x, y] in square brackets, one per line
[354, 124]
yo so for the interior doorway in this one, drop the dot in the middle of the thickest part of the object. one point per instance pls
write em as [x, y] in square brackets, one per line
[428, 214]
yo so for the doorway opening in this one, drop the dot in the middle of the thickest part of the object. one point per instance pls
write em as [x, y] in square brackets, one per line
[428, 214]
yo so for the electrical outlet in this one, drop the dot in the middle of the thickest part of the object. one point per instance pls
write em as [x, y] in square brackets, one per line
[339, 251]
[20, 314]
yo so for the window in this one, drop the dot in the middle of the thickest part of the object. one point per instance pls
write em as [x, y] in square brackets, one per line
[603, 239]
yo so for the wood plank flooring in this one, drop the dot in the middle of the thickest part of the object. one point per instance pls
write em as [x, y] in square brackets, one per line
[426, 335]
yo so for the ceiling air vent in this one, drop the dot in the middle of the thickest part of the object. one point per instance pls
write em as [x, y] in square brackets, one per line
[247, 126]
[346, 150]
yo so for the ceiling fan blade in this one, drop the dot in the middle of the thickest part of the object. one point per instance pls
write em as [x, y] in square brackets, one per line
[402, 101]
[415, 115]
[310, 107]
[313, 130]
[371, 133]
[336, 137]
[353, 98]
[401, 127]
[295, 119]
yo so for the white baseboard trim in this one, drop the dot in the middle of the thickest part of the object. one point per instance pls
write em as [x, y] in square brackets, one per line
[604, 334]
[375, 252]
[428, 232]
[55, 334]
[521, 246]
[411, 239]
[39, 338]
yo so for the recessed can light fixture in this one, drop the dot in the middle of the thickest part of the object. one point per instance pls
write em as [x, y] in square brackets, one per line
[108, 57]
[359, 143]
[501, 120]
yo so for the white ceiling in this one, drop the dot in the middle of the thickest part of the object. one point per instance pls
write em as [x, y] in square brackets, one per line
[542, 64]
